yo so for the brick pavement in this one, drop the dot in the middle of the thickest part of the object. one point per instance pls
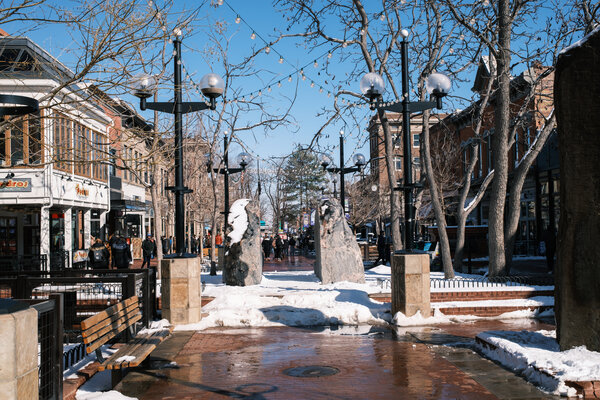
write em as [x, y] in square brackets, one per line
[384, 364]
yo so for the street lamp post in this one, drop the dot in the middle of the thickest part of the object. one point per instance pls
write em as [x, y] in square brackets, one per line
[359, 164]
[212, 86]
[243, 159]
[438, 85]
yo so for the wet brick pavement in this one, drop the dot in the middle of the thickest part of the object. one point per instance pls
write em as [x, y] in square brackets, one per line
[413, 363]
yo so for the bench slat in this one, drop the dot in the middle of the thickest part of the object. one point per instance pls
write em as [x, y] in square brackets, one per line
[109, 322]
[94, 319]
[113, 333]
[127, 319]
[140, 348]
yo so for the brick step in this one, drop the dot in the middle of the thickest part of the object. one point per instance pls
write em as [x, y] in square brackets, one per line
[488, 311]
[438, 297]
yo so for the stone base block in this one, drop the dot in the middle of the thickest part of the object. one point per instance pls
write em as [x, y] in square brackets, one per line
[410, 284]
[18, 355]
[181, 290]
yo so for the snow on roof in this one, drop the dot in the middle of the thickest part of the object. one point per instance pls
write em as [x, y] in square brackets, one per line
[580, 43]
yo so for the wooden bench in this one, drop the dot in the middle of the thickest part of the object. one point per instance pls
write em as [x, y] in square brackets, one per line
[110, 323]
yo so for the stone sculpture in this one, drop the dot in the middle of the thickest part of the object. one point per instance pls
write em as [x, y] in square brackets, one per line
[338, 255]
[243, 254]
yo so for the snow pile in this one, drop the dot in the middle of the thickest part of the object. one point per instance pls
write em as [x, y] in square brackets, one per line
[438, 317]
[238, 219]
[537, 356]
[99, 388]
[156, 326]
[292, 299]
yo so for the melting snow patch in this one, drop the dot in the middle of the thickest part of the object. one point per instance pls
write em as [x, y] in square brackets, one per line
[537, 356]
[238, 219]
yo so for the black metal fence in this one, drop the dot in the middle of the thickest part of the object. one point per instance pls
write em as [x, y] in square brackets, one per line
[84, 293]
[50, 358]
[497, 282]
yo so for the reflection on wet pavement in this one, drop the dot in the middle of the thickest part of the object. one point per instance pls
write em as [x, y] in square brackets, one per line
[373, 363]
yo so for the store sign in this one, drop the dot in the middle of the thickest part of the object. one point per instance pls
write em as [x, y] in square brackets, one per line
[81, 191]
[16, 185]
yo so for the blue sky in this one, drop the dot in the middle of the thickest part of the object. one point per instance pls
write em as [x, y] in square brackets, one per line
[261, 18]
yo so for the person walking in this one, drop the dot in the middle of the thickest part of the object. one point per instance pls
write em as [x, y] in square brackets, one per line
[148, 250]
[278, 248]
[267, 246]
[549, 238]
[99, 255]
[381, 249]
[292, 243]
[121, 252]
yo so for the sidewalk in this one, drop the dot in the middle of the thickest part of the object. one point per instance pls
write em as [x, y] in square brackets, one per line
[364, 363]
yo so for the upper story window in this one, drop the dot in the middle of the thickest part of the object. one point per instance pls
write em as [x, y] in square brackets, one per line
[79, 150]
[416, 140]
[21, 141]
[398, 163]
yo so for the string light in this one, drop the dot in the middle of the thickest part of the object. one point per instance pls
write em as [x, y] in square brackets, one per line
[329, 55]
[312, 84]
[303, 77]
[289, 78]
[382, 17]
[267, 49]
[344, 45]
[279, 84]
[316, 64]
[280, 60]
[253, 36]
[238, 19]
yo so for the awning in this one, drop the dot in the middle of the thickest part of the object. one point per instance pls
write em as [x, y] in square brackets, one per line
[132, 205]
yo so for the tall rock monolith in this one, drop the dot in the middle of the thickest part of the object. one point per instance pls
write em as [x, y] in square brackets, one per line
[243, 256]
[338, 255]
[577, 276]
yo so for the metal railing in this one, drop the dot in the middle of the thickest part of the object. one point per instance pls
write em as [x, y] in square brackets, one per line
[50, 366]
[37, 262]
[492, 282]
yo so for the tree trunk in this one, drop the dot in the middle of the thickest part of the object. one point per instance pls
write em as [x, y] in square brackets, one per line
[389, 161]
[436, 201]
[516, 187]
[500, 144]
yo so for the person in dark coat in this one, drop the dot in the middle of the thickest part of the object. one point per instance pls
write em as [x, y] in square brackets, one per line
[148, 250]
[99, 255]
[267, 246]
[381, 246]
[549, 238]
[121, 252]
[278, 248]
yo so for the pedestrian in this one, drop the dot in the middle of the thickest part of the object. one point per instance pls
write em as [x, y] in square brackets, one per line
[121, 252]
[219, 240]
[381, 249]
[266, 247]
[278, 248]
[549, 239]
[292, 244]
[99, 255]
[286, 247]
[148, 250]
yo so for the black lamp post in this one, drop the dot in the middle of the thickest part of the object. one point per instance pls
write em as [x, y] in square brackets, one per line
[438, 85]
[212, 86]
[359, 162]
[243, 159]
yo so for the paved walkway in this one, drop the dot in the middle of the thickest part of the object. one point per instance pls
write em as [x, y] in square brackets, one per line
[297, 262]
[378, 364]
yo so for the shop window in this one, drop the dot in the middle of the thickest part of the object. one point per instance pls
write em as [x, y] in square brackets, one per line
[8, 236]
[416, 140]
[21, 141]
[63, 150]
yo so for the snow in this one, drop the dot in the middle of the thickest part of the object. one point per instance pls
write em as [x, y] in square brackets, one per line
[294, 298]
[98, 388]
[238, 220]
[534, 302]
[125, 359]
[580, 43]
[537, 356]
[156, 326]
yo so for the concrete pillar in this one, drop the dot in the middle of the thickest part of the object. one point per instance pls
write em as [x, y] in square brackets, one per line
[103, 216]
[181, 290]
[410, 284]
[18, 352]
[577, 274]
